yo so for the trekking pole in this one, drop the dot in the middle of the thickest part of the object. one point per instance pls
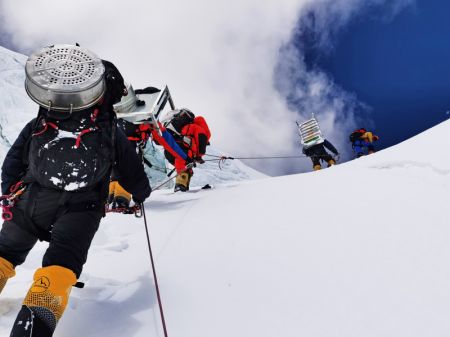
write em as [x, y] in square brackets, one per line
[163, 321]
[163, 183]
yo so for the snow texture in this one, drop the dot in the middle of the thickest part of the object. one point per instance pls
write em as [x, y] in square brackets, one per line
[360, 249]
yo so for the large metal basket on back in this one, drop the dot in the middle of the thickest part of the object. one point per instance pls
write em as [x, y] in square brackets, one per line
[127, 104]
[310, 133]
[152, 104]
[65, 78]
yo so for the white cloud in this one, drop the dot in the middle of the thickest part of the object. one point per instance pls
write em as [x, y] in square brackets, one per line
[218, 58]
[310, 90]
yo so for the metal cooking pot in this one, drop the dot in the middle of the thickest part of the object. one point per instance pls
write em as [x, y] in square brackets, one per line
[127, 103]
[65, 78]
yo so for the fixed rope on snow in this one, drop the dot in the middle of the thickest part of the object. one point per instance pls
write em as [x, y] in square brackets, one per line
[222, 159]
[139, 212]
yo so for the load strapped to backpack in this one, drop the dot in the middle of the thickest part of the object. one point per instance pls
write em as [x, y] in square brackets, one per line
[72, 144]
[310, 133]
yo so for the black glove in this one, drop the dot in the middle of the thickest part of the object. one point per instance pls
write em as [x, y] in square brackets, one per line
[143, 194]
[190, 161]
[199, 160]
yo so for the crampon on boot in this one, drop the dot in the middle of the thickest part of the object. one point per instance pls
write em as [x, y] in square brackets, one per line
[180, 188]
[121, 202]
[45, 302]
[27, 324]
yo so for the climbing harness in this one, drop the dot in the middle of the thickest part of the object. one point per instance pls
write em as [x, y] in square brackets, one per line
[8, 201]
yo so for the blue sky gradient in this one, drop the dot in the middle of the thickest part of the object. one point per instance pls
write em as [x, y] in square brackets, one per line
[399, 67]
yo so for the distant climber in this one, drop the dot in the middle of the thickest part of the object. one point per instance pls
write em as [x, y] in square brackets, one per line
[315, 145]
[363, 142]
[192, 135]
[318, 153]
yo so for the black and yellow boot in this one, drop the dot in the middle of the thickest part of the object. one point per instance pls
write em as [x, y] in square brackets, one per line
[112, 187]
[45, 302]
[121, 197]
[317, 167]
[331, 162]
[182, 182]
[6, 272]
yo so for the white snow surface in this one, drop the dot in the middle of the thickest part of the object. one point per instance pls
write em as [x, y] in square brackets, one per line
[360, 249]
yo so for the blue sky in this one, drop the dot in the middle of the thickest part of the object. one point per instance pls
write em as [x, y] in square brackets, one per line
[399, 67]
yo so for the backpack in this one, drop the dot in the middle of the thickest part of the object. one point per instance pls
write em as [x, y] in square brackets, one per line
[357, 134]
[75, 151]
[73, 154]
[178, 121]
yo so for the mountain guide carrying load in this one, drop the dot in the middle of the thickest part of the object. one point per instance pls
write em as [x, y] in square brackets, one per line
[55, 177]
[314, 145]
[142, 119]
[192, 134]
[317, 153]
[362, 140]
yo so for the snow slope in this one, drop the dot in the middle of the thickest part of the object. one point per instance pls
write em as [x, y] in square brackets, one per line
[360, 249]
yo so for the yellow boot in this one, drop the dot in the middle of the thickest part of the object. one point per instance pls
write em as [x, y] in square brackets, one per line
[6, 272]
[112, 187]
[331, 162]
[317, 167]
[182, 182]
[121, 197]
[47, 298]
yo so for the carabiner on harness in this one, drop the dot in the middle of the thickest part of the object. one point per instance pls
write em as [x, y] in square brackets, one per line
[8, 201]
